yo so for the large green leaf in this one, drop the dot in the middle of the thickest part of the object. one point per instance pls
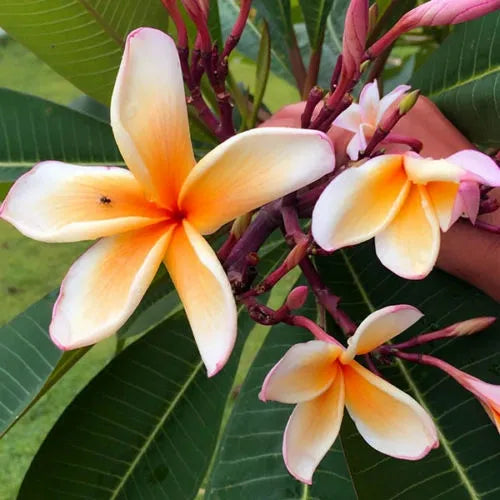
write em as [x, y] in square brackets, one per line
[33, 129]
[145, 427]
[462, 78]
[30, 364]
[466, 464]
[249, 464]
[81, 39]
[315, 16]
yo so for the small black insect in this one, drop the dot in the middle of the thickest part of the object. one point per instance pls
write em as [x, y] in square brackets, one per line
[105, 200]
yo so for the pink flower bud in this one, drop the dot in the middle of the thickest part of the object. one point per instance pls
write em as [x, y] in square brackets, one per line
[354, 40]
[297, 298]
[435, 13]
[470, 326]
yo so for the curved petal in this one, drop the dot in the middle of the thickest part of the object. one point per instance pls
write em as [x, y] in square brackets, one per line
[360, 202]
[252, 169]
[379, 327]
[424, 170]
[312, 430]
[304, 372]
[443, 196]
[57, 202]
[387, 100]
[149, 115]
[369, 101]
[205, 293]
[481, 167]
[409, 246]
[388, 419]
[350, 119]
[105, 285]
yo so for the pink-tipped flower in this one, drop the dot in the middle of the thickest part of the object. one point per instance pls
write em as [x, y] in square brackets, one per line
[354, 39]
[401, 200]
[157, 211]
[435, 13]
[322, 378]
[487, 394]
[363, 118]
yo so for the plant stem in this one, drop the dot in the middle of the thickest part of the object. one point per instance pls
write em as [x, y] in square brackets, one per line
[312, 71]
[485, 226]
[326, 298]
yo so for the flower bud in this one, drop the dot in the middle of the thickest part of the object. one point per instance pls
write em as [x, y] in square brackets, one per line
[435, 13]
[470, 326]
[354, 39]
[297, 297]
[408, 101]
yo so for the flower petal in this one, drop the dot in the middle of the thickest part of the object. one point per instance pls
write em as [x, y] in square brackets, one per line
[205, 293]
[388, 419]
[379, 327]
[409, 246]
[251, 169]
[149, 115]
[470, 194]
[443, 196]
[360, 202]
[481, 167]
[304, 372]
[369, 101]
[312, 429]
[57, 202]
[424, 170]
[105, 285]
[350, 119]
[387, 100]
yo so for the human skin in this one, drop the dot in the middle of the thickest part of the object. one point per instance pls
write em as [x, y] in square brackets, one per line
[466, 252]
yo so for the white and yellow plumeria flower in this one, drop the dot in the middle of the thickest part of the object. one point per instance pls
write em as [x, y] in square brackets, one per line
[363, 118]
[159, 209]
[402, 201]
[322, 378]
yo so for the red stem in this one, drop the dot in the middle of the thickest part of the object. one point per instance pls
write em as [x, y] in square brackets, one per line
[485, 226]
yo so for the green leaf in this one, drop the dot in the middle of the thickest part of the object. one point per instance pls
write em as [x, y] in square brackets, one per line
[27, 359]
[315, 16]
[146, 426]
[81, 39]
[30, 364]
[332, 44]
[466, 463]
[278, 15]
[250, 40]
[249, 464]
[462, 76]
[214, 23]
[33, 129]
[261, 74]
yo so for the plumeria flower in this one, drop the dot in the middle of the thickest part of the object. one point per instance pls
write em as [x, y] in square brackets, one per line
[160, 208]
[363, 118]
[321, 378]
[402, 201]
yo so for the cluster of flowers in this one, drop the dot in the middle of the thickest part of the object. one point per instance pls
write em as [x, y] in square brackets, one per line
[159, 209]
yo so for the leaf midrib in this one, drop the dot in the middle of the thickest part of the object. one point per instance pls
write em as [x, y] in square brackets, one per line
[156, 429]
[457, 466]
[105, 26]
[475, 77]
